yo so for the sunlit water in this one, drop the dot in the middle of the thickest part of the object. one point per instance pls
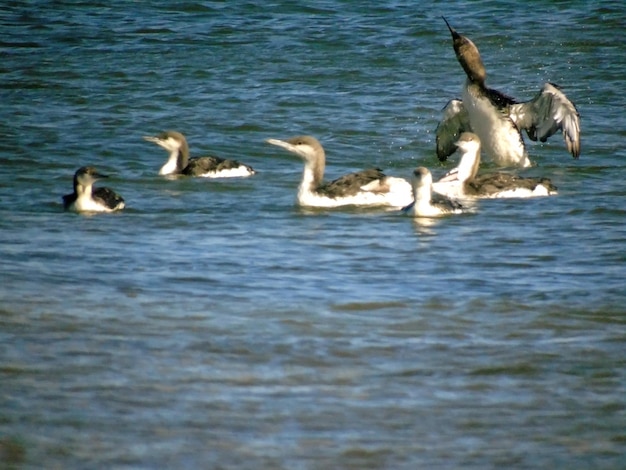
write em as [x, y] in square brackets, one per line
[213, 324]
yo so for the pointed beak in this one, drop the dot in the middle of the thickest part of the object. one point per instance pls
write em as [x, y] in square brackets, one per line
[150, 138]
[159, 141]
[452, 31]
[286, 145]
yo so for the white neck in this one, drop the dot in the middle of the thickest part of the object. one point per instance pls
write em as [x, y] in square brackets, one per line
[84, 190]
[308, 183]
[468, 166]
[84, 200]
[171, 166]
[422, 197]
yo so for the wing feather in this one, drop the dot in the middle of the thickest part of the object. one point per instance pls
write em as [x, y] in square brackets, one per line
[455, 121]
[371, 180]
[548, 112]
[108, 197]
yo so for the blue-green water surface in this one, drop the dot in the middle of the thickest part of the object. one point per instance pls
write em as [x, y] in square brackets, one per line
[214, 324]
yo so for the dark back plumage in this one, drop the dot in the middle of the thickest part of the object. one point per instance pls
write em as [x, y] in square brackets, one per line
[351, 184]
[108, 197]
[68, 200]
[202, 165]
[491, 183]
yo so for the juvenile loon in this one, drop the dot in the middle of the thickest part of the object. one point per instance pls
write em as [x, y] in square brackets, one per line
[498, 119]
[426, 203]
[365, 188]
[208, 167]
[86, 198]
[464, 182]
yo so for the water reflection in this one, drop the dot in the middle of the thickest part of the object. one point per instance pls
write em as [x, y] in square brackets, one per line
[425, 225]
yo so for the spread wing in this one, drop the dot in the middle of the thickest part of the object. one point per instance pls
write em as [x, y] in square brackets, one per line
[455, 121]
[547, 113]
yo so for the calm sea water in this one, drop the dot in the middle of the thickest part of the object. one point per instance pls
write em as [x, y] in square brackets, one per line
[213, 324]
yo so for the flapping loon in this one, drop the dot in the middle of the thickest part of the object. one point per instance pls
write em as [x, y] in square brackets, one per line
[498, 119]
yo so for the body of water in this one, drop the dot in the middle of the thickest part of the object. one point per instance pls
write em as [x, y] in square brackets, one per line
[214, 324]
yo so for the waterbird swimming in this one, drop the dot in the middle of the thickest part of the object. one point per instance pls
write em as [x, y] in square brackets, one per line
[364, 188]
[498, 119]
[465, 182]
[86, 198]
[208, 167]
[427, 203]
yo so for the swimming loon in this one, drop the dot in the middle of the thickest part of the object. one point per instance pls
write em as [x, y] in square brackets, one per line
[86, 198]
[365, 188]
[426, 203]
[208, 167]
[464, 181]
[498, 118]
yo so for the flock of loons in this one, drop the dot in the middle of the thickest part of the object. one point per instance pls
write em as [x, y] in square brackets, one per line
[484, 121]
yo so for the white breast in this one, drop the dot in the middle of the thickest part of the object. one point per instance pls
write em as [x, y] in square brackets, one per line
[170, 167]
[501, 140]
[85, 203]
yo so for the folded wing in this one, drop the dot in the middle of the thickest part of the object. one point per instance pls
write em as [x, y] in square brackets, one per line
[371, 180]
